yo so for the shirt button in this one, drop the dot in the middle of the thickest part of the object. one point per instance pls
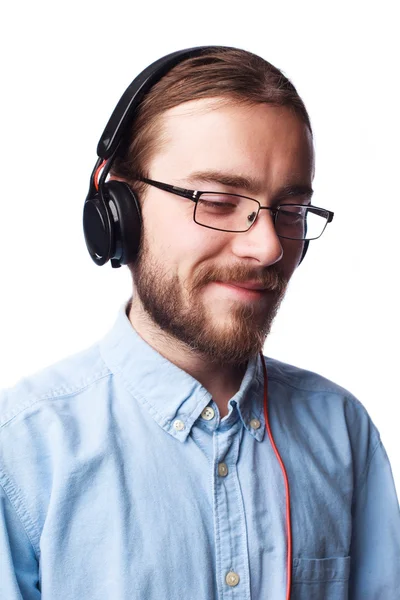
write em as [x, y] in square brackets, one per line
[232, 578]
[255, 424]
[208, 413]
[222, 470]
[179, 425]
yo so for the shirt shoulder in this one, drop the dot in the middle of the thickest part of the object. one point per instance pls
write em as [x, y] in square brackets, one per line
[65, 378]
[302, 379]
[319, 398]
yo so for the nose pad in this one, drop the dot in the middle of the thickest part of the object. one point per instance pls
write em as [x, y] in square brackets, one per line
[251, 217]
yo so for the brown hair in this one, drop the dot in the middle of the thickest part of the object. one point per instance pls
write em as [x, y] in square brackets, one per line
[232, 74]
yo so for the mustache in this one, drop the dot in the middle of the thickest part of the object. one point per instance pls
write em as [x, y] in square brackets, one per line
[270, 278]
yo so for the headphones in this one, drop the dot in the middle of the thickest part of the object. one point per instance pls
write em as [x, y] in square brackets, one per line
[111, 216]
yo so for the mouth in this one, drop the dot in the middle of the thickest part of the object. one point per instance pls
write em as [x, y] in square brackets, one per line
[247, 290]
[246, 285]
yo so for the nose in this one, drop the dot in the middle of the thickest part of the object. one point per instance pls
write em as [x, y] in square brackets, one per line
[260, 243]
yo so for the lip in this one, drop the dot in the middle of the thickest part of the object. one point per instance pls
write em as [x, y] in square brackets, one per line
[247, 285]
[246, 290]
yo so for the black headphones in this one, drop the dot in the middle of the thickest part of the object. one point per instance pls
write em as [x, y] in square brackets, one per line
[111, 215]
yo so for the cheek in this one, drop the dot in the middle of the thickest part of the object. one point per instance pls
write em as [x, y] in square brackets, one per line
[174, 240]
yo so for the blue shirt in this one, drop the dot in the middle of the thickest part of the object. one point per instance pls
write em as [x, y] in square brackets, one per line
[117, 484]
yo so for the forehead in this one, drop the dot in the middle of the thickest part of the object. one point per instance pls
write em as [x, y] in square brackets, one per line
[268, 143]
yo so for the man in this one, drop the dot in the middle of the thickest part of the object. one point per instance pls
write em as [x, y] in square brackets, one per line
[171, 460]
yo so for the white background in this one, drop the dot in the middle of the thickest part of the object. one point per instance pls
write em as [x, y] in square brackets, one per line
[64, 67]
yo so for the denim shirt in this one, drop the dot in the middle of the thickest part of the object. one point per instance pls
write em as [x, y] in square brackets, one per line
[120, 481]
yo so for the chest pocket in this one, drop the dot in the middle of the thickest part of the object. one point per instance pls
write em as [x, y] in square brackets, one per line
[321, 578]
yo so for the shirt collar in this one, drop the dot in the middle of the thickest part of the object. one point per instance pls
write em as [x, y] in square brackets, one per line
[174, 398]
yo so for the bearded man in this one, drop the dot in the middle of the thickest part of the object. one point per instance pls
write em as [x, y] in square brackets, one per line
[172, 459]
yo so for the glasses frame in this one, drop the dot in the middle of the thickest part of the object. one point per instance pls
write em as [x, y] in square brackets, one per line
[195, 195]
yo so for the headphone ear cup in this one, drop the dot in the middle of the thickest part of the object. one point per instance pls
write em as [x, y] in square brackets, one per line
[127, 221]
[97, 229]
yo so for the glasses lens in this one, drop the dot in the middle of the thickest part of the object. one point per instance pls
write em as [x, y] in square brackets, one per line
[228, 212]
[300, 222]
[225, 212]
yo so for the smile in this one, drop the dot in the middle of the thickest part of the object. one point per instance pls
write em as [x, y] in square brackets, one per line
[245, 290]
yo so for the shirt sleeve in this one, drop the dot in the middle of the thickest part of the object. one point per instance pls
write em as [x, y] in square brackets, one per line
[19, 573]
[375, 548]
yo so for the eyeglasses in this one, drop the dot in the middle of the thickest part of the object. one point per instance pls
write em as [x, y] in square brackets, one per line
[237, 214]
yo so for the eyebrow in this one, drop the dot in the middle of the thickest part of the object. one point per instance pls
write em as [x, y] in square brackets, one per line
[249, 184]
[227, 179]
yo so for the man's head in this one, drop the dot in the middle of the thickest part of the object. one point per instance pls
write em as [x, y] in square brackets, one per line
[224, 122]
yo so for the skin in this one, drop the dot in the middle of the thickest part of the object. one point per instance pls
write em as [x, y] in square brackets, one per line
[194, 269]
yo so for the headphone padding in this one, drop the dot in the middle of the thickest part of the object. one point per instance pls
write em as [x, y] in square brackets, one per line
[125, 210]
[97, 229]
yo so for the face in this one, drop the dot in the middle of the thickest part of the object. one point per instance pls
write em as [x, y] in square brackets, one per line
[218, 292]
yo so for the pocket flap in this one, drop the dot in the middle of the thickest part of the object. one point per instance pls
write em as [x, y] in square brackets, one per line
[321, 569]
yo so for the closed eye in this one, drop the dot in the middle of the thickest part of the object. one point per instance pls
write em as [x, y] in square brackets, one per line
[223, 201]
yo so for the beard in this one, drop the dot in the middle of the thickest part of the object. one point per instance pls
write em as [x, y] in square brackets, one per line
[180, 311]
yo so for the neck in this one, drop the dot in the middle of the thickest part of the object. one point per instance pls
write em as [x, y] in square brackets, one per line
[222, 381]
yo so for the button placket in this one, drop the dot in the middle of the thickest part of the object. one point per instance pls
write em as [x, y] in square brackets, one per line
[232, 558]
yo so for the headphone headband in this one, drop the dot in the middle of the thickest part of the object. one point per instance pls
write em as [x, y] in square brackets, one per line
[131, 98]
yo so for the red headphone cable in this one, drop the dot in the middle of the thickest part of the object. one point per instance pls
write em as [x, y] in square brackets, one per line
[97, 174]
[285, 477]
